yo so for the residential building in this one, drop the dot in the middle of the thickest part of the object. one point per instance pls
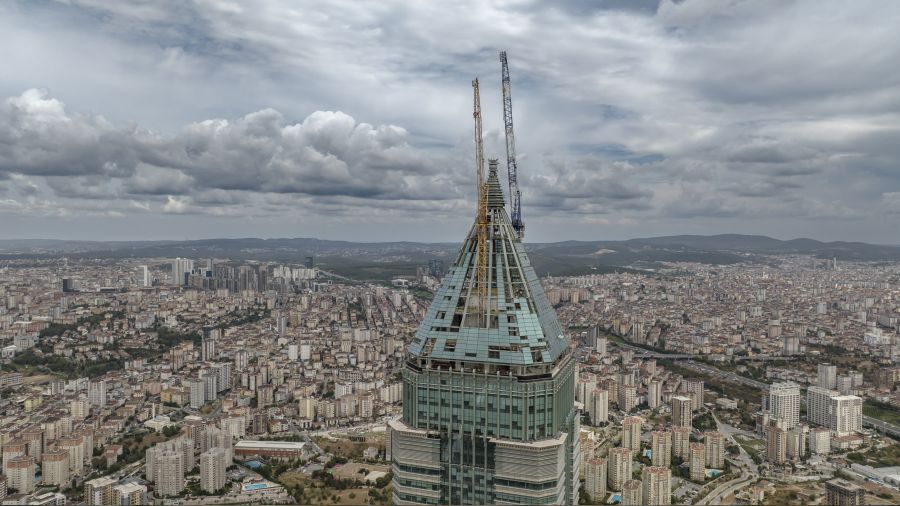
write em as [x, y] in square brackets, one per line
[682, 415]
[715, 450]
[631, 433]
[698, 461]
[681, 441]
[212, 470]
[631, 493]
[619, 467]
[661, 447]
[19, 473]
[595, 479]
[784, 403]
[841, 492]
[100, 492]
[657, 485]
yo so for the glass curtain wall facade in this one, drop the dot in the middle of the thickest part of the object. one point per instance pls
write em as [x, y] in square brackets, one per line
[488, 388]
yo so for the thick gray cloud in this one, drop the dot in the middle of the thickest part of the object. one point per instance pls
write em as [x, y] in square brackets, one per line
[633, 118]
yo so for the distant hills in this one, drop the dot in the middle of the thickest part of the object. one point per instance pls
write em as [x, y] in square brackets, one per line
[369, 260]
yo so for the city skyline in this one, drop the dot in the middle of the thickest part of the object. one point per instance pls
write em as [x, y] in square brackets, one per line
[635, 119]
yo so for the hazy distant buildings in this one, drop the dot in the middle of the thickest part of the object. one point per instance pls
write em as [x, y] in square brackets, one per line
[827, 376]
[181, 270]
[600, 412]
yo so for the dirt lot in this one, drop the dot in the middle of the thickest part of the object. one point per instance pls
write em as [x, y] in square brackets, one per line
[315, 493]
[352, 470]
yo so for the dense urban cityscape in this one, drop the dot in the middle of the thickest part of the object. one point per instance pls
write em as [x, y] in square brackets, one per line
[241, 266]
[127, 381]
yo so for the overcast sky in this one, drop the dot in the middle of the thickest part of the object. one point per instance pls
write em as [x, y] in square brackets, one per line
[349, 120]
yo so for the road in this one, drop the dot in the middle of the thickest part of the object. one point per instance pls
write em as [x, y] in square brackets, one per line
[882, 426]
[749, 472]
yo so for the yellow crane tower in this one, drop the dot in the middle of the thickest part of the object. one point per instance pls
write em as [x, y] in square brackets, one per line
[481, 219]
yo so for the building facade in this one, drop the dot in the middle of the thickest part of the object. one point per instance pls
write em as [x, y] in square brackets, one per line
[657, 485]
[661, 447]
[682, 414]
[595, 479]
[843, 493]
[489, 383]
[784, 403]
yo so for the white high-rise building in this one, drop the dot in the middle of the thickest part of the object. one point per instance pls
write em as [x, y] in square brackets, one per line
[827, 376]
[654, 394]
[55, 468]
[80, 408]
[657, 485]
[619, 467]
[784, 403]
[840, 413]
[631, 433]
[212, 469]
[627, 398]
[19, 473]
[595, 479]
[167, 463]
[698, 461]
[145, 275]
[817, 404]
[600, 346]
[820, 440]
[694, 388]
[600, 413]
[180, 267]
[682, 415]
[661, 448]
[847, 417]
[198, 393]
[223, 371]
[97, 393]
[681, 441]
[715, 450]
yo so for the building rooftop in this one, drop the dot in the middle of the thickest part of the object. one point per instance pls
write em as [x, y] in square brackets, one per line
[273, 445]
[515, 325]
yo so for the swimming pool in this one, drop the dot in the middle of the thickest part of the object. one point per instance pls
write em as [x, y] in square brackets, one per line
[256, 486]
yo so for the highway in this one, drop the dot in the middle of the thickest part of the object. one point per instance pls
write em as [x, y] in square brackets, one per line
[874, 423]
[749, 473]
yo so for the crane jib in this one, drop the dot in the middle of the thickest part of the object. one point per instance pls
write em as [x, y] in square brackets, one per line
[515, 196]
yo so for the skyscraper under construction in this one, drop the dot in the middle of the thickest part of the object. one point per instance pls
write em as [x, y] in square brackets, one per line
[488, 386]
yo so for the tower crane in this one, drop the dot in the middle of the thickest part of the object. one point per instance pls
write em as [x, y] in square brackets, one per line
[515, 196]
[481, 220]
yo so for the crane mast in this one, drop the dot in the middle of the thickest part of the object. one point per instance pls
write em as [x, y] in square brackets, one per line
[515, 196]
[481, 220]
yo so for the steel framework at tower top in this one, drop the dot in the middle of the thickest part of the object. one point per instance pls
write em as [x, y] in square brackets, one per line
[515, 196]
